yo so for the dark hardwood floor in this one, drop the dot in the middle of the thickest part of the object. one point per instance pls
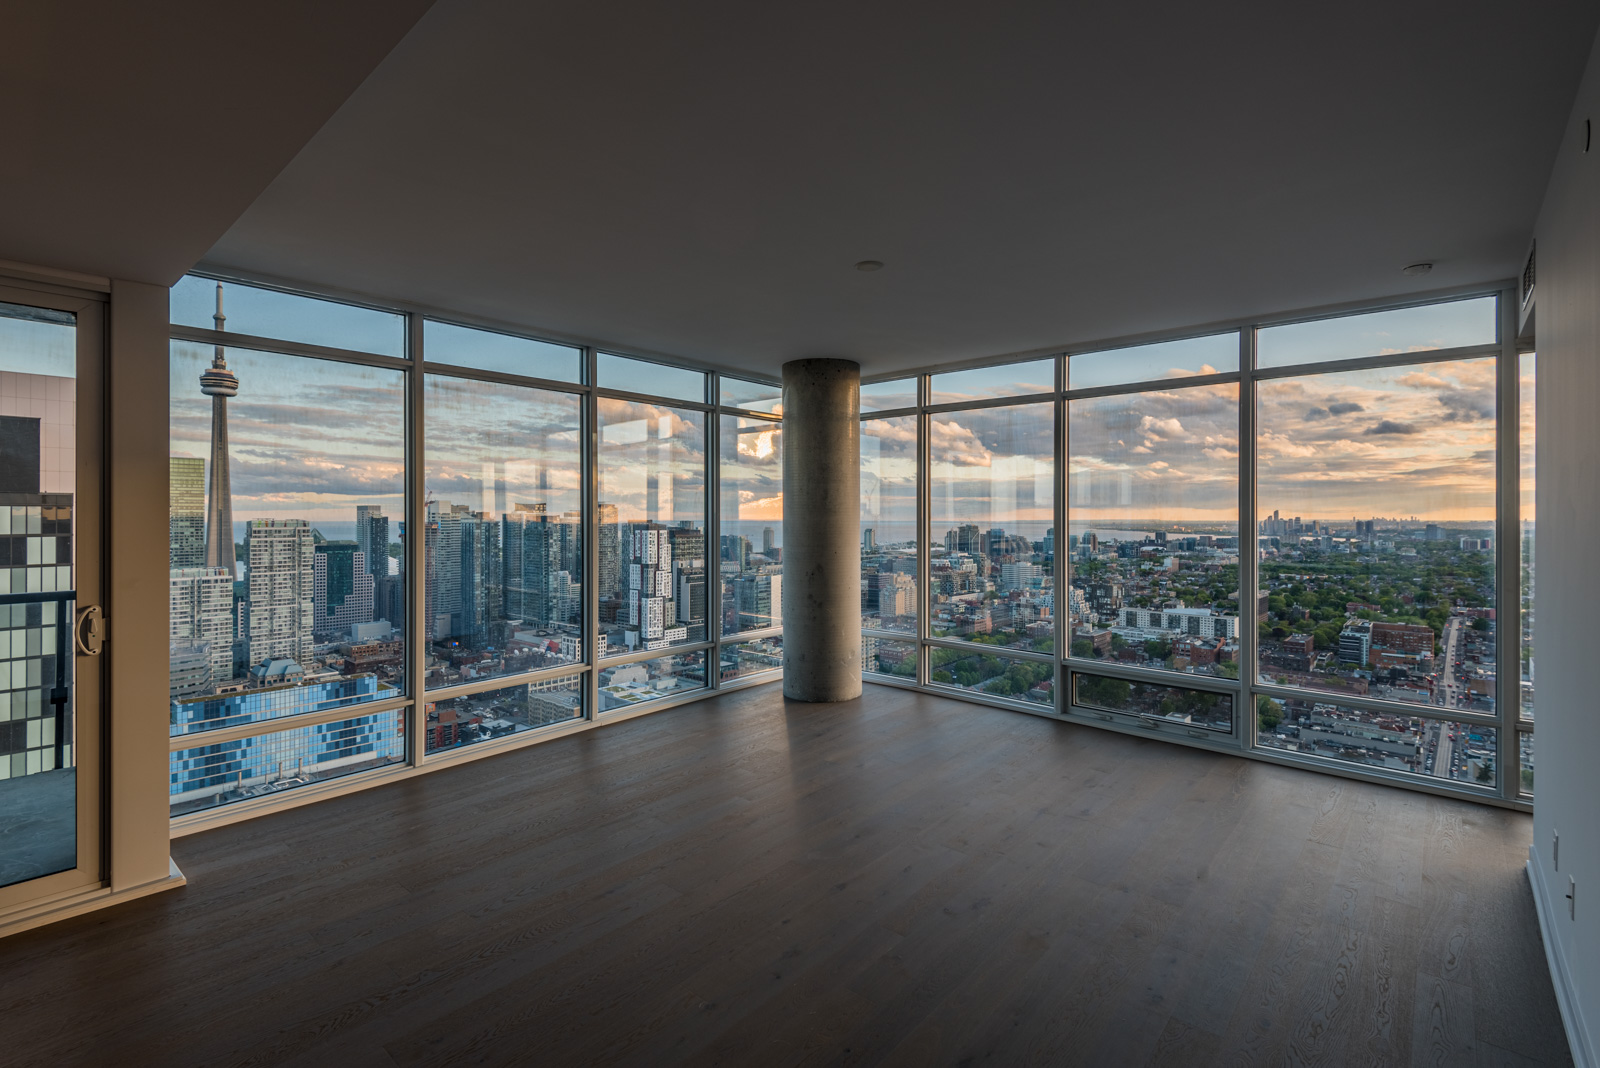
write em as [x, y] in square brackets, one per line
[896, 880]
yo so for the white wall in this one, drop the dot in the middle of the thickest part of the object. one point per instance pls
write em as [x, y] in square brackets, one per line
[1567, 323]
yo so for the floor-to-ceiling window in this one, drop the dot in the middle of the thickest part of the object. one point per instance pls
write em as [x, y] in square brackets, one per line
[1288, 537]
[567, 558]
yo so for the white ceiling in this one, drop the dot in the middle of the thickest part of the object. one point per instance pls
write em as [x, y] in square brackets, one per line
[699, 179]
[135, 133]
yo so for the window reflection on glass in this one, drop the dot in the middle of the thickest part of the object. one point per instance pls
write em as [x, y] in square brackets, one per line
[488, 350]
[889, 523]
[288, 490]
[1525, 759]
[755, 657]
[1526, 446]
[752, 396]
[488, 714]
[504, 535]
[750, 553]
[642, 681]
[38, 468]
[1376, 492]
[653, 552]
[1428, 748]
[1213, 354]
[1003, 380]
[219, 773]
[1153, 492]
[992, 560]
[1176, 704]
[888, 396]
[1453, 324]
[287, 316]
[1030, 681]
[886, 656]
[652, 379]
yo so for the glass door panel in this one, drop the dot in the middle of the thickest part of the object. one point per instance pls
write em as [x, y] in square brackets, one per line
[48, 829]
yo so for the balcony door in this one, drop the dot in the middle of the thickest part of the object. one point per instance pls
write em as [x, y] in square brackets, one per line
[51, 345]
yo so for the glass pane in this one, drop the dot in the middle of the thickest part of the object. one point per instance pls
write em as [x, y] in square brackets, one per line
[1214, 354]
[504, 568]
[1525, 759]
[751, 558]
[652, 379]
[993, 505]
[1153, 492]
[1197, 708]
[1031, 681]
[889, 523]
[286, 316]
[1006, 380]
[752, 658]
[756, 396]
[647, 680]
[1377, 498]
[887, 396]
[459, 721]
[1431, 326]
[297, 577]
[1439, 749]
[652, 526]
[38, 481]
[488, 350]
[1526, 446]
[885, 656]
[208, 776]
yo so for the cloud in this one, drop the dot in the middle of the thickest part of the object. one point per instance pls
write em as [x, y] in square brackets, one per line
[1345, 408]
[1467, 406]
[1318, 413]
[1389, 426]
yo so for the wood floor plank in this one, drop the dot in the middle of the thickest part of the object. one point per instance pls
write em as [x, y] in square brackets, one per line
[898, 879]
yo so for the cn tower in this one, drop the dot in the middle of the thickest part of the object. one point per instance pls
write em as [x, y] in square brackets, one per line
[219, 383]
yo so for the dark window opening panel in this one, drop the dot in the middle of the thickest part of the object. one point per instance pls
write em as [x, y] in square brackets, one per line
[1442, 750]
[1172, 704]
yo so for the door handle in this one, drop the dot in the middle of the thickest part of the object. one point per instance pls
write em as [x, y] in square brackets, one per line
[89, 631]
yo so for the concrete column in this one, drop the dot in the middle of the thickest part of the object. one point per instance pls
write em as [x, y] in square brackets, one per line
[821, 530]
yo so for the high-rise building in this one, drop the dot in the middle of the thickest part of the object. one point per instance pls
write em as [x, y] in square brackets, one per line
[610, 548]
[219, 383]
[279, 570]
[442, 570]
[652, 615]
[534, 548]
[768, 543]
[200, 621]
[372, 538]
[186, 524]
[869, 540]
[341, 588]
[480, 572]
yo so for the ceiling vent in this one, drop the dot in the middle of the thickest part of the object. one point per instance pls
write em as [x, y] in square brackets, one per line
[1527, 275]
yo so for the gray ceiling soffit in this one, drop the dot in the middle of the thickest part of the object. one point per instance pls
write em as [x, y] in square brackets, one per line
[136, 133]
[701, 179]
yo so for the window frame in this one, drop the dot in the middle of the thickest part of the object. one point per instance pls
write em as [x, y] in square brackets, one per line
[1242, 741]
[417, 697]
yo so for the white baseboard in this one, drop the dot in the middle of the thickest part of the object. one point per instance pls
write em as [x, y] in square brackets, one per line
[1583, 1053]
[76, 904]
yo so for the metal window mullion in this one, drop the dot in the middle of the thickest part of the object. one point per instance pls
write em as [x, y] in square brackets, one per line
[924, 533]
[1371, 363]
[713, 532]
[990, 402]
[281, 347]
[1249, 546]
[1153, 676]
[413, 550]
[1062, 562]
[504, 682]
[590, 459]
[1156, 385]
[1508, 552]
[1003, 652]
[646, 398]
[504, 378]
